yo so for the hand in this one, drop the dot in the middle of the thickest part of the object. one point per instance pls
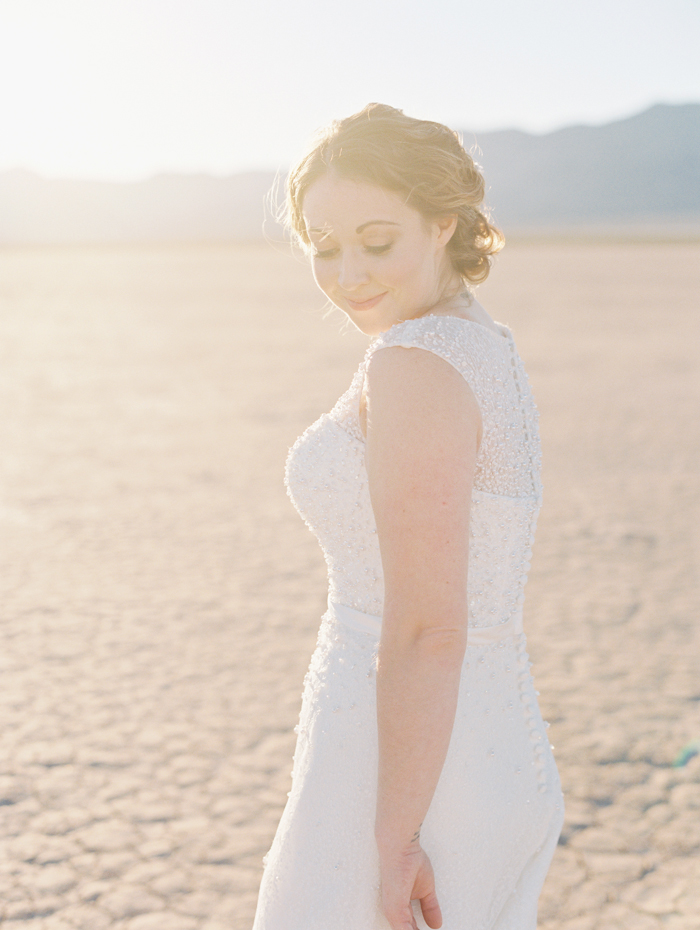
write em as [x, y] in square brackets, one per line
[405, 878]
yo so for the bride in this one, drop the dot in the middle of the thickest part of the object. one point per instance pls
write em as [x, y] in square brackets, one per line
[424, 791]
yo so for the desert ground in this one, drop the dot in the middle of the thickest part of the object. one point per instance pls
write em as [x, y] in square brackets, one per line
[160, 597]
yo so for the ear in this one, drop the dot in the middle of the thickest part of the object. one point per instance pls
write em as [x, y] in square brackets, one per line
[445, 226]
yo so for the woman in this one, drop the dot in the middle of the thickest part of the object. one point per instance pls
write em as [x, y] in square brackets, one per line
[422, 771]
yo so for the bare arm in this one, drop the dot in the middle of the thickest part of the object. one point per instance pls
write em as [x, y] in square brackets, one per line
[423, 433]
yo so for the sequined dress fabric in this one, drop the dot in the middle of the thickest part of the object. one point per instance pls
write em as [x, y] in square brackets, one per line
[497, 811]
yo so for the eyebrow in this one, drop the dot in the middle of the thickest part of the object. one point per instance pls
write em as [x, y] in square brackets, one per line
[375, 223]
[322, 229]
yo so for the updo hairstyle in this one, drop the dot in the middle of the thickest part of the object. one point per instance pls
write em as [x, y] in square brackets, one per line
[422, 161]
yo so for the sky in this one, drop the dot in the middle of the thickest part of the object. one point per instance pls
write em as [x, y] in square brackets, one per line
[124, 89]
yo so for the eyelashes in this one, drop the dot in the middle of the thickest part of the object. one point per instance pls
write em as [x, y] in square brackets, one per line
[370, 249]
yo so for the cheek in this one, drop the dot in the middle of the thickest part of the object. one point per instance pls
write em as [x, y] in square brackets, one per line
[404, 267]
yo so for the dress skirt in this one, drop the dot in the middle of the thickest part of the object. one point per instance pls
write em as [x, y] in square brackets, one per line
[494, 820]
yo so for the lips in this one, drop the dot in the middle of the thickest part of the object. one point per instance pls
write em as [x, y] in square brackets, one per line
[364, 304]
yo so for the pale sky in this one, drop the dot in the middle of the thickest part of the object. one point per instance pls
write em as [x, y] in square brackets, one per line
[123, 89]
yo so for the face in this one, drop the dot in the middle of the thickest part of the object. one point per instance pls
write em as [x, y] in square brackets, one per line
[375, 258]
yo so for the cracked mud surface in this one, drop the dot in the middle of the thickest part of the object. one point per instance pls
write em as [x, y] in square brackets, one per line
[160, 598]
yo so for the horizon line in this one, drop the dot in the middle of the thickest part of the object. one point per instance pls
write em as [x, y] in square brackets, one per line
[278, 170]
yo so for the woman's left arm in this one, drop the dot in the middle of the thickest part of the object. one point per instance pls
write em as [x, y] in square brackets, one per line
[423, 433]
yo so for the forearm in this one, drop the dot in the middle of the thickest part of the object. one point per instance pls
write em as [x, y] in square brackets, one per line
[417, 689]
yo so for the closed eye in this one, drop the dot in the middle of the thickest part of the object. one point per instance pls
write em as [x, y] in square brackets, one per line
[371, 249]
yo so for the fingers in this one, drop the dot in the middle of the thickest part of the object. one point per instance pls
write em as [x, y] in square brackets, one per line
[397, 909]
[432, 914]
[400, 916]
[397, 896]
[404, 922]
[403, 919]
[424, 889]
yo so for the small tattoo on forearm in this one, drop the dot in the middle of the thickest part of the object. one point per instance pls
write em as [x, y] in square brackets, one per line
[416, 835]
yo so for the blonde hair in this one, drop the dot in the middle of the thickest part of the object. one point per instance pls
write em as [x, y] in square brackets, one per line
[423, 161]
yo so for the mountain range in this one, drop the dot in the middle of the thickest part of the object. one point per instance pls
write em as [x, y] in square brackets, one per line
[643, 171]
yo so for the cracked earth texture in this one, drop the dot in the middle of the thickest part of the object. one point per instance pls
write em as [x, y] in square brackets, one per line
[159, 597]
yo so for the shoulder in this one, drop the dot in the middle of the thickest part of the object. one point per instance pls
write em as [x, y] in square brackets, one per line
[416, 391]
[399, 367]
[466, 345]
[430, 329]
[474, 351]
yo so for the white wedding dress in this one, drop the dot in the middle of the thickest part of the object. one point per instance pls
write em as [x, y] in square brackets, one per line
[497, 811]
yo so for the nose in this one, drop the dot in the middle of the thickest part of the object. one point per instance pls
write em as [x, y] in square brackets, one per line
[352, 272]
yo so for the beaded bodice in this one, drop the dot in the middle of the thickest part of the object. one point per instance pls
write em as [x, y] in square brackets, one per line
[327, 480]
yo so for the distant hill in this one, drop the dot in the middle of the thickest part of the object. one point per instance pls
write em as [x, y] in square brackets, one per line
[640, 170]
[168, 207]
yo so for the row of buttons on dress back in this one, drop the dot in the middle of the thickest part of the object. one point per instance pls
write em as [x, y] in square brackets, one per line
[530, 710]
[529, 429]
[524, 665]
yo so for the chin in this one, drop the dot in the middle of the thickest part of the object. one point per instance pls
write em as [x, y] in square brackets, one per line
[369, 327]
[368, 331]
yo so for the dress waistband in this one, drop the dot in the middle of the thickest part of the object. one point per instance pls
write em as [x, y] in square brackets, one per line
[476, 636]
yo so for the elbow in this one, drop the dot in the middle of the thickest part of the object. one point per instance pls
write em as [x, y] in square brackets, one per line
[437, 648]
[443, 638]
[437, 630]
[446, 645]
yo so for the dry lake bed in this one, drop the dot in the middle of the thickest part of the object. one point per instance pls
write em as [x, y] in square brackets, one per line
[159, 597]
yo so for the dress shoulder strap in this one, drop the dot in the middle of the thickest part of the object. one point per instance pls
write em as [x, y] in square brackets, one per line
[464, 344]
